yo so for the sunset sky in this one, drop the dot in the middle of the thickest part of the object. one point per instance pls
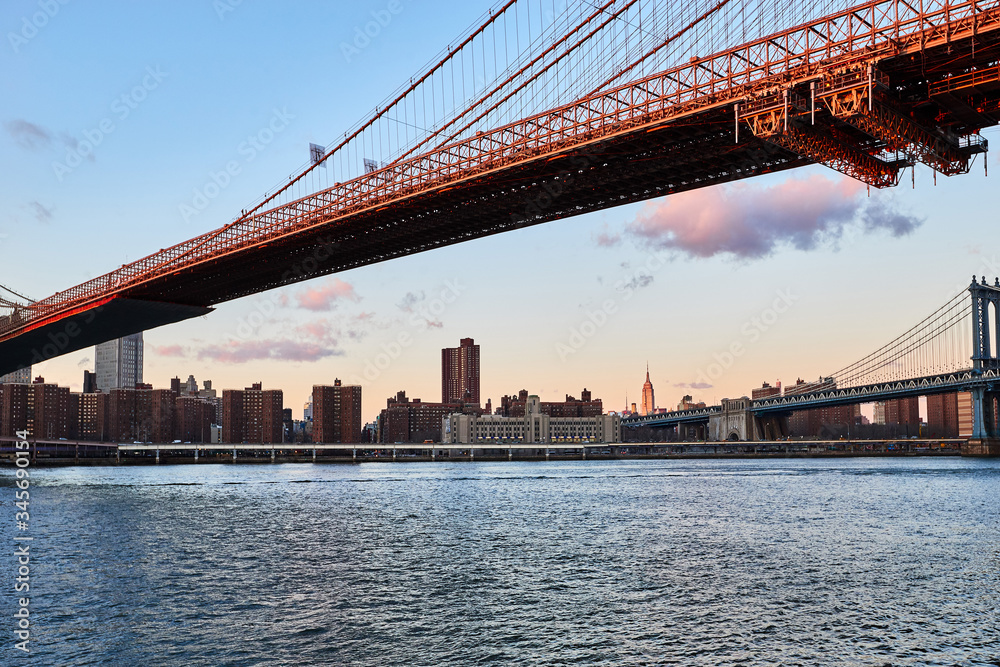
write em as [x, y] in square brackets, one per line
[804, 271]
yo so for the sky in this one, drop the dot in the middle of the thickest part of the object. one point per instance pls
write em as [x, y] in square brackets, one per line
[775, 278]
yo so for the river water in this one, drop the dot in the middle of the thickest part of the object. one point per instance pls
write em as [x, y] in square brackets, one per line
[736, 562]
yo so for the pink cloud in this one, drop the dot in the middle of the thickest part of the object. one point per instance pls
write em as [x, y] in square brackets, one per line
[238, 352]
[325, 297]
[748, 221]
[608, 240]
[168, 350]
[693, 385]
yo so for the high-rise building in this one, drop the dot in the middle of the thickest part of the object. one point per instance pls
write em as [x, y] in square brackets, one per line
[232, 415]
[766, 391]
[73, 416]
[336, 413]
[130, 414]
[902, 410]
[942, 415]
[118, 363]
[22, 376]
[253, 415]
[687, 403]
[161, 415]
[813, 422]
[193, 418]
[14, 408]
[965, 414]
[879, 413]
[48, 410]
[89, 382]
[648, 403]
[93, 417]
[460, 373]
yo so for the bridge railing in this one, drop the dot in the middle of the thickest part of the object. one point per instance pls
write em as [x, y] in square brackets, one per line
[869, 30]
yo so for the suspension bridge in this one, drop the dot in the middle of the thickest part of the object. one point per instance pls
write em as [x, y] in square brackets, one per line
[539, 113]
[954, 349]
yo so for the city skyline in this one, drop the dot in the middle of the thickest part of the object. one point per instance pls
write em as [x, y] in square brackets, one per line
[779, 260]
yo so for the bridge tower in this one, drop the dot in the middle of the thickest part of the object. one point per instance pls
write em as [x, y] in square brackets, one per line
[985, 440]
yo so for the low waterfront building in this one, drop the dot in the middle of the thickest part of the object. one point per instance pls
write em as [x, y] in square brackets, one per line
[586, 406]
[412, 420]
[535, 427]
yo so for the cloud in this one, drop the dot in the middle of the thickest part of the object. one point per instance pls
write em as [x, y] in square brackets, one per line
[168, 350]
[608, 240]
[880, 215]
[411, 303]
[28, 135]
[639, 281]
[693, 385]
[748, 221]
[238, 352]
[42, 214]
[83, 362]
[325, 297]
[329, 332]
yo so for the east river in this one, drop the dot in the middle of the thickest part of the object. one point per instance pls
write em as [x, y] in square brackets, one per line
[737, 562]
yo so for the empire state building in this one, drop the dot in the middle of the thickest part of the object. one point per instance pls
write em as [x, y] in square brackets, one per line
[648, 404]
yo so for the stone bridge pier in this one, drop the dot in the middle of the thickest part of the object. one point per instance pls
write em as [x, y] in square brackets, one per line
[737, 422]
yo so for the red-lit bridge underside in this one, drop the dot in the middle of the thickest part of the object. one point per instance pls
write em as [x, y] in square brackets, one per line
[871, 114]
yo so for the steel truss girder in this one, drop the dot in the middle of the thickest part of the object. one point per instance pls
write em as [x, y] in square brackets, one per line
[824, 145]
[837, 151]
[873, 112]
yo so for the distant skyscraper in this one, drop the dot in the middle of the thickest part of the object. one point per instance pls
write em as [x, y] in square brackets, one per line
[879, 413]
[89, 382]
[648, 403]
[460, 373]
[118, 363]
[22, 376]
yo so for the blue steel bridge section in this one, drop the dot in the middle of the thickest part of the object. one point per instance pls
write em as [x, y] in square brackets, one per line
[967, 380]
